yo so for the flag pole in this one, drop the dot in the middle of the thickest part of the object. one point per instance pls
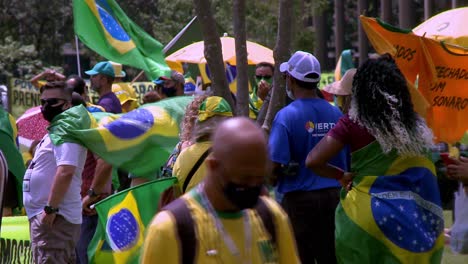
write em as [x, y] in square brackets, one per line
[77, 48]
[137, 77]
[170, 44]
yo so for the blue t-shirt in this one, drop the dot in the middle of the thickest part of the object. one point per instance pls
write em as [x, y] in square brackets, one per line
[111, 103]
[297, 128]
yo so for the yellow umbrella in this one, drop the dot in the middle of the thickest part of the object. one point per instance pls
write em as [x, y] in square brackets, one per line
[449, 26]
[194, 53]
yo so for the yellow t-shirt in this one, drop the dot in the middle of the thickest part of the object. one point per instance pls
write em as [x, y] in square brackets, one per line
[162, 242]
[185, 162]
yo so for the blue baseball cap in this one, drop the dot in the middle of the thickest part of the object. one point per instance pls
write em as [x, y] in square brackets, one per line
[103, 67]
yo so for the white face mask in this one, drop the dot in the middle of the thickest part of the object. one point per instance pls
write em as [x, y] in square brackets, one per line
[289, 92]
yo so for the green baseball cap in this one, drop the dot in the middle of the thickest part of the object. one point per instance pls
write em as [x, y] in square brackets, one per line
[103, 67]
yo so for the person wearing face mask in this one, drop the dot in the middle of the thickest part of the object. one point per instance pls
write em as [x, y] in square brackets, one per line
[263, 83]
[170, 86]
[51, 186]
[309, 200]
[224, 209]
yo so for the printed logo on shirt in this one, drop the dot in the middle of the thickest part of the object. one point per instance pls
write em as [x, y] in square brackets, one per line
[319, 129]
[310, 126]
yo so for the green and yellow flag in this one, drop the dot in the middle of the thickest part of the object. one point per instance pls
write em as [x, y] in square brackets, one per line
[105, 28]
[123, 218]
[393, 212]
[139, 141]
[8, 135]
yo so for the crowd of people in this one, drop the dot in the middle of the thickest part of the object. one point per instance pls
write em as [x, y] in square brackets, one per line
[330, 183]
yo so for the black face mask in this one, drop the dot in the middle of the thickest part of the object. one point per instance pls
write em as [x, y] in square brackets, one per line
[242, 197]
[49, 112]
[169, 92]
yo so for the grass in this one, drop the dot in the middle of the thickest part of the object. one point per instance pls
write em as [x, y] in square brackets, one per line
[450, 257]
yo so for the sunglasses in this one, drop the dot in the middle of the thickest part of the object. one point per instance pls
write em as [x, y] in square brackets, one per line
[51, 101]
[266, 77]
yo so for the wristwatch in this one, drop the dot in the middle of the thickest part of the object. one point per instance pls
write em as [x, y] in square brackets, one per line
[50, 210]
[92, 193]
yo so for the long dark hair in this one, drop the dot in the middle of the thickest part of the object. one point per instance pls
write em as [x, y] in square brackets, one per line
[381, 102]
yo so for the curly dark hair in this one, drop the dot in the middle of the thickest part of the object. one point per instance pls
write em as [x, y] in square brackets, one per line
[381, 102]
[190, 117]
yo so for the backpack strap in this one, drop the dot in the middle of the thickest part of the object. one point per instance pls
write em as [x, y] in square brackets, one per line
[186, 226]
[185, 229]
[267, 218]
[194, 169]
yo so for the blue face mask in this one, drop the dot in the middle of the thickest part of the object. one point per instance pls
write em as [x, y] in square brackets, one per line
[169, 91]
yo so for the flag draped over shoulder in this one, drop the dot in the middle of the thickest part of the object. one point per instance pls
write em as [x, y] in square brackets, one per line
[139, 141]
[123, 218]
[440, 70]
[8, 135]
[104, 27]
[393, 212]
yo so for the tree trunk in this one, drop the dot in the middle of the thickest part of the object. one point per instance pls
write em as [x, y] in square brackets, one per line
[213, 51]
[238, 14]
[362, 38]
[281, 54]
[321, 37]
[428, 7]
[386, 10]
[406, 14]
[339, 28]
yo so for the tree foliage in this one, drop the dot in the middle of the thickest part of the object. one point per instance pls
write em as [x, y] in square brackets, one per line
[17, 60]
[47, 25]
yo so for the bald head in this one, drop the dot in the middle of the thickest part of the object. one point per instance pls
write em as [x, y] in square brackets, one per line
[240, 153]
[237, 167]
[238, 135]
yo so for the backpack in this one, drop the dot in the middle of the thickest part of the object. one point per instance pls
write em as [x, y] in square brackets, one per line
[186, 227]
[173, 192]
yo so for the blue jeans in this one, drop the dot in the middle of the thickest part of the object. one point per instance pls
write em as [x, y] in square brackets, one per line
[88, 228]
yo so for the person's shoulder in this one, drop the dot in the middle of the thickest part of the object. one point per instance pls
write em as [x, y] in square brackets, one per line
[198, 147]
[285, 112]
[162, 221]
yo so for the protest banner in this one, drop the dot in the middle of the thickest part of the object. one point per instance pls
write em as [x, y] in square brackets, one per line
[141, 88]
[23, 95]
[448, 96]
[440, 71]
[15, 246]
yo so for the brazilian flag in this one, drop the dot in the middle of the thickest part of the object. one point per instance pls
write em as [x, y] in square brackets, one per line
[139, 141]
[122, 219]
[8, 136]
[105, 28]
[393, 212]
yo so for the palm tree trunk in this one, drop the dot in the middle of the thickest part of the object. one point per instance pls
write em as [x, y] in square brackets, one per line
[213, 51]
[281, 54]
[241, 57]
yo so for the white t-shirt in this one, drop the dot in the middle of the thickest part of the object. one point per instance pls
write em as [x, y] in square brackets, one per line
[39, 177]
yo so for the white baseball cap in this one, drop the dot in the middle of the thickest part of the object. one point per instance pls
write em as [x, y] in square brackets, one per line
[302, 64]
